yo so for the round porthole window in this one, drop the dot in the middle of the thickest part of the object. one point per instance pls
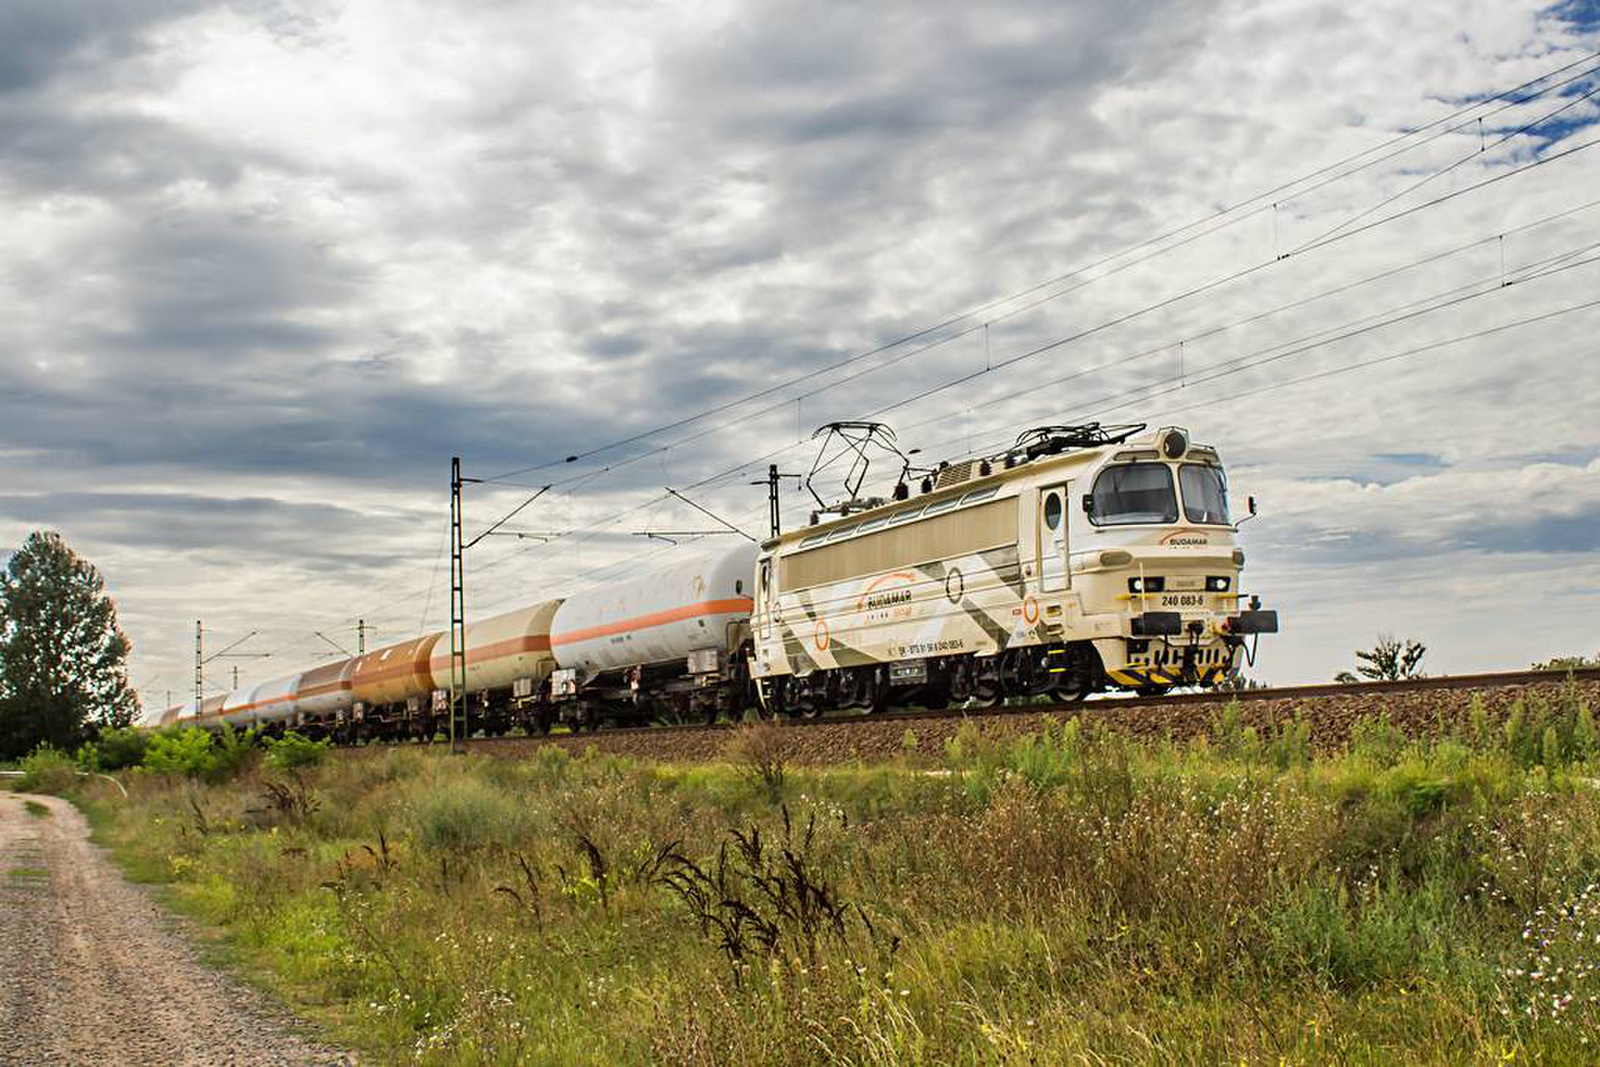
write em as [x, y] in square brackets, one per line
[1052, 510]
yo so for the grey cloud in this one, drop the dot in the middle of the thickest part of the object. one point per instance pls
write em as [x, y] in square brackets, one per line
[42, 39]
[1500, 531]
[316, 536]
[47, 148]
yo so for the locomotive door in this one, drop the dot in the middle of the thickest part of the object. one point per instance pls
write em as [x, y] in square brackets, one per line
[1053, 577]
[766, 599]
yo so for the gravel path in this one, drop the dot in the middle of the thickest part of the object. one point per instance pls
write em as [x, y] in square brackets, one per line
[92, 971]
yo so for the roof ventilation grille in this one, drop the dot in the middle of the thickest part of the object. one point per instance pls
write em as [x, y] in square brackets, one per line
[954, 474]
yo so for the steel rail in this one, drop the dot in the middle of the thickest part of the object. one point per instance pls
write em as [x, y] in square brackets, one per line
[1494, 680]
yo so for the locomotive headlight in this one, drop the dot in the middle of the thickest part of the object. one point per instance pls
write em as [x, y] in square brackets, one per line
[1147, 585]
[1174, 443]
[1217, 584]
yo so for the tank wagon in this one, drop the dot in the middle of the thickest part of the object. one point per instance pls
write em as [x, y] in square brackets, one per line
[1083, 559]
[670, 644]
[392, 690]
[323, 698]
[507, 661]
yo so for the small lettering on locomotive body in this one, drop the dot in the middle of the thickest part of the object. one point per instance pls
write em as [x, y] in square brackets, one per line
[925, 647]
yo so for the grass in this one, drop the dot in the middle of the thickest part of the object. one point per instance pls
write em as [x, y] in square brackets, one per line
[28, 872]
[36, 809]
[1069, 897]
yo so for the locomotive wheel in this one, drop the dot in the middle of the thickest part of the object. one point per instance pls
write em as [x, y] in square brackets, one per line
[987, 695]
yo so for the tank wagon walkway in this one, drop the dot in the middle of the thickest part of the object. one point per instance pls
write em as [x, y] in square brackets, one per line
[91, 971]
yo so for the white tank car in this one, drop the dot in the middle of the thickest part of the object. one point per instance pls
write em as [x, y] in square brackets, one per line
[236, 707]
[501, 650]
[656, 618]
[273, 701]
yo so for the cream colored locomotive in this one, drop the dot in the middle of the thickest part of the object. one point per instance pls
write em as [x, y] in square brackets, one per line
[1080, 560]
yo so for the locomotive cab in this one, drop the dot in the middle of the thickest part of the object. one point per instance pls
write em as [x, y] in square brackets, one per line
[1154, 545]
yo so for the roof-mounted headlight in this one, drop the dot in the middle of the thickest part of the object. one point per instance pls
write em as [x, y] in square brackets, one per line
[1173, 443]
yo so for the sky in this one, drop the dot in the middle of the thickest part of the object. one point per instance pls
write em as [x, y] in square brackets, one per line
[270, 264]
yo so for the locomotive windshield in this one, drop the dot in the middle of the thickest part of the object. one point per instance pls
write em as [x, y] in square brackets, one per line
[1134, 493]
[1205, 494]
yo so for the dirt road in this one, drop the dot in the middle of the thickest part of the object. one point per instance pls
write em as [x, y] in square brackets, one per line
[92, 972]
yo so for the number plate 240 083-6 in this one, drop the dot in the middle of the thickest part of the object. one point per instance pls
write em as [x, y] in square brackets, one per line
[1183, 600]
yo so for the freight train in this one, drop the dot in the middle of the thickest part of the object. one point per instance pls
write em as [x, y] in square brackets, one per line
[1077, 561]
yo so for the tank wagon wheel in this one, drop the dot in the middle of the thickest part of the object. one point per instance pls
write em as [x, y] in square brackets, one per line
[1153, 690]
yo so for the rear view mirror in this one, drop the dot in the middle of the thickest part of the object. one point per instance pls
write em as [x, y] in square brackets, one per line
[1250, 502]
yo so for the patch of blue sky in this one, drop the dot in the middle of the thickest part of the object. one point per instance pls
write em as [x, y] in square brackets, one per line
[1582, 15]
[1386, 468]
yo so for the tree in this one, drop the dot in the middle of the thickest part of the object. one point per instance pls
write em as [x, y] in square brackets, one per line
[1388, 661]
[63, 658]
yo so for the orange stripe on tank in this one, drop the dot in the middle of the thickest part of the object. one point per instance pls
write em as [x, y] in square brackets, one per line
[324, 689]
[415, 668]
[658, 618]
[512, 646]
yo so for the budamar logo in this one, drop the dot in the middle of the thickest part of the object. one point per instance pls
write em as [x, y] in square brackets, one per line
[885, 600]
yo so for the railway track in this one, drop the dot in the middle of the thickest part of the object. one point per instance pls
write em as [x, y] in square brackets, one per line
[1142, 714]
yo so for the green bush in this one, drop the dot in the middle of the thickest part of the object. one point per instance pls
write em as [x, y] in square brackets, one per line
[292, 752]
[47, 770]
[231, 752]
[464, 814]
[184, 752]
[115, 750]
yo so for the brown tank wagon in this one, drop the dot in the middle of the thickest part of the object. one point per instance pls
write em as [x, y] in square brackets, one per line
[395, 674]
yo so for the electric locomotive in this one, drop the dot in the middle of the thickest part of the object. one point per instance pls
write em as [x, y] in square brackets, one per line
[1082, 559]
